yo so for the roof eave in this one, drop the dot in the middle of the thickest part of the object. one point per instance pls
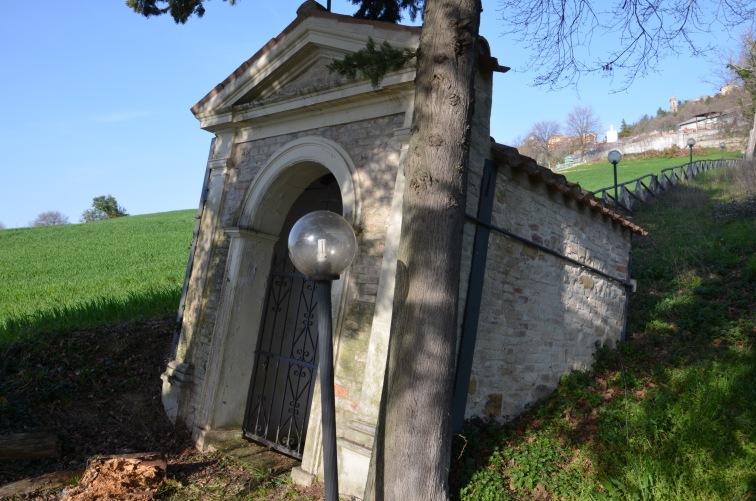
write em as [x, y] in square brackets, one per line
[560, 184]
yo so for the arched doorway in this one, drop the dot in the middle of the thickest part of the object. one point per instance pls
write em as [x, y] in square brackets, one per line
[285, 364]
[262, 225]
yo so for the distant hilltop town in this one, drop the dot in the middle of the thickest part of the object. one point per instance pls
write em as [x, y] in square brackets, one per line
[710, 120]
[705, 113]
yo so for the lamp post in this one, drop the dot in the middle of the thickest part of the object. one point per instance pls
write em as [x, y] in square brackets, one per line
[691, 142]
[615, 157]
[322, 245]
[722, 146]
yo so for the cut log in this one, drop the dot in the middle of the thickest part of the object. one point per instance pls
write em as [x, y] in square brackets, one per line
[29, 446]
[45, 482]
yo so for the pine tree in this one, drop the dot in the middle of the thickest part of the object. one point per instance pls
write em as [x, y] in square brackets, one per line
[625, 130]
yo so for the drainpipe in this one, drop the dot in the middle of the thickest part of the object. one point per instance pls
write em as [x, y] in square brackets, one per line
[188, 274]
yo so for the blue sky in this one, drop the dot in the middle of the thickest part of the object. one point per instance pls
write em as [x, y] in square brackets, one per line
[96, 98]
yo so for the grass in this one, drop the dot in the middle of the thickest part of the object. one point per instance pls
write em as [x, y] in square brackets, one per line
[671, 414]
[62, 277]
[597, 175]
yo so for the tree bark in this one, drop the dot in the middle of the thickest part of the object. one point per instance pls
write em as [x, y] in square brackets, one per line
[413, 444]
[751, 141]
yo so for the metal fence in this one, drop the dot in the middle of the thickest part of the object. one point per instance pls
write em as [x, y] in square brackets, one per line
[641, 189]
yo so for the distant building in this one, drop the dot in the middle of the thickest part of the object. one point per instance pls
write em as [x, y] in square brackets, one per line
[703, 121]
[672, 105]
[611, 135]
[556, 140]
[727, 89]
[590, 138]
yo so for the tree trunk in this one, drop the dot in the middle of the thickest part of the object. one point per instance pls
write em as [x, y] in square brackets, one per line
[751, 141]
[412, 453]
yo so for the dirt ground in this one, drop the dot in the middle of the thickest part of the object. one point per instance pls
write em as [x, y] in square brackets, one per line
[98, 390]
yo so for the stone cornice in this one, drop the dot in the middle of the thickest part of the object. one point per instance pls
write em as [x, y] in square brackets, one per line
[313, 110]
[219, 164]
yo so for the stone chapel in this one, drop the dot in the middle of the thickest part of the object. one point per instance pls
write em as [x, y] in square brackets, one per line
[545, 274]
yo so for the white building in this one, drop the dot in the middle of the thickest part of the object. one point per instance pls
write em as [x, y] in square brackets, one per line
[611, 135]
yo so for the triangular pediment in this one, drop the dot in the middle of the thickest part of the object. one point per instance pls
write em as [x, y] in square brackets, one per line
[304, 72]
[293, 65]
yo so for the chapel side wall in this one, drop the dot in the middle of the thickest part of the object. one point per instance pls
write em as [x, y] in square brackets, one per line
[372, 146]
[541, 316]
[202, 296]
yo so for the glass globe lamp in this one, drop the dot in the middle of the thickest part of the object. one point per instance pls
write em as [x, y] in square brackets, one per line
[322, 245]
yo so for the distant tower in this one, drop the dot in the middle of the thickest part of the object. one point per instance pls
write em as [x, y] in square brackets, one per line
[611, 135]
[672, 105]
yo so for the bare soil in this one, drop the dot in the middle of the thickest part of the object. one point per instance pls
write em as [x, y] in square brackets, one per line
[99, 391]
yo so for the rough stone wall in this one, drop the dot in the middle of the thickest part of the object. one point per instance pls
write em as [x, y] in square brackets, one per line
[375, 152]
[542, 316]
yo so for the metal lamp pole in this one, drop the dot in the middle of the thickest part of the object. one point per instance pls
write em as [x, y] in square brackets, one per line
[691, 142]
[322, 245]
[327, 396]
[722, 146]
[615, 157]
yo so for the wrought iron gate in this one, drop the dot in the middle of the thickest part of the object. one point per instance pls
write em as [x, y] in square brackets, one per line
[280, 393]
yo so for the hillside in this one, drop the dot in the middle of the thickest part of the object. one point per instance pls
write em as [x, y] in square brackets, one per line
[735, 101]
[725, 117]
[599, 174]
[58, 277]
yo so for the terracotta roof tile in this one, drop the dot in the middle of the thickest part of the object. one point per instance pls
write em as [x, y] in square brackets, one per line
[557, 182]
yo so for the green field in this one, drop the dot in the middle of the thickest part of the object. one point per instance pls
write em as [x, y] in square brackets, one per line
[73, 276]
[594, 176]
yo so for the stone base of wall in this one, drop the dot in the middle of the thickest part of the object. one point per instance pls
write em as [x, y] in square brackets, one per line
[177, 377]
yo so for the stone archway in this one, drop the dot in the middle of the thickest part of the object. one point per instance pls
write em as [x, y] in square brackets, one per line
[274, 190]
[252, 246]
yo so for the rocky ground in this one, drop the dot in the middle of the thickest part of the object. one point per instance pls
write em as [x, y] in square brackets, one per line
[98, 392]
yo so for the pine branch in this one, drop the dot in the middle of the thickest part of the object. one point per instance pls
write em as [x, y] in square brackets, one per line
[371, 63]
